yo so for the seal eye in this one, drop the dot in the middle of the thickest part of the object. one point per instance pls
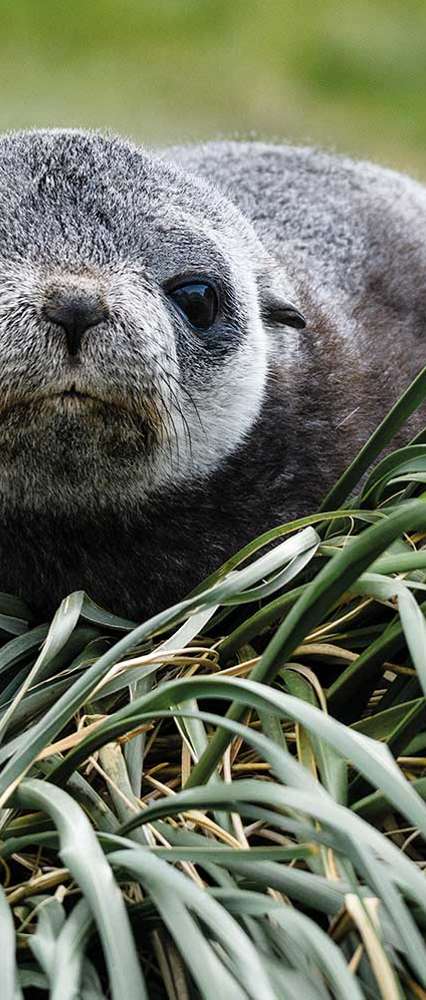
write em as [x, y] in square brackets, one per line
[198, 301]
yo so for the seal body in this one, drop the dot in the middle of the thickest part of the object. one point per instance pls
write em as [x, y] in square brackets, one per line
[138, 448]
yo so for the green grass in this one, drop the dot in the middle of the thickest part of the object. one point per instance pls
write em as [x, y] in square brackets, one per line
[153, 846]
[350, 76]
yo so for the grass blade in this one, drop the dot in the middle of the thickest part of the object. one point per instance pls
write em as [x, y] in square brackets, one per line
[81, 854]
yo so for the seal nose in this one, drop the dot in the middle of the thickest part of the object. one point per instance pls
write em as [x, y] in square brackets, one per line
[75, 310]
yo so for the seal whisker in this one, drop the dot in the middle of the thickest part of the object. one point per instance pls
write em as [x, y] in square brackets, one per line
[182, 387]
[179, 410]
[166, 429]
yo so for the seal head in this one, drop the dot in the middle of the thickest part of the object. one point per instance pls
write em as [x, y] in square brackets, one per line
[133, 352]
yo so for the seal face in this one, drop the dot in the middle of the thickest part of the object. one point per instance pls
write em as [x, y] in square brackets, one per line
[133, 351]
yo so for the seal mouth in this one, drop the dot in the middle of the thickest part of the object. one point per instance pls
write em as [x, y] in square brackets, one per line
[73, 393]
[78, 404]
[61, 397]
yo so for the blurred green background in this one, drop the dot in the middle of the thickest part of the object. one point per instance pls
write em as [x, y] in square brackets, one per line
[346, 75]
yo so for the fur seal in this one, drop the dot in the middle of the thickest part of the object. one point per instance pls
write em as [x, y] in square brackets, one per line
[194, 342]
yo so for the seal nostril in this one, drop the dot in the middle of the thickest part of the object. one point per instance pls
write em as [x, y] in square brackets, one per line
[75, 312]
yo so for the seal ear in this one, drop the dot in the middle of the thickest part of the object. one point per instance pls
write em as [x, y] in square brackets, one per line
[278, 312]
[276, 299]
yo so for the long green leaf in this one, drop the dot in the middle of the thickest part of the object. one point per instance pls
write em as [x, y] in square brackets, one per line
[80, 852]
[165, 884]
[334, 579]
[10, 989]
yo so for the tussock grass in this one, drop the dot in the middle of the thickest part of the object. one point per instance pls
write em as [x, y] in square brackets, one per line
[154, 846]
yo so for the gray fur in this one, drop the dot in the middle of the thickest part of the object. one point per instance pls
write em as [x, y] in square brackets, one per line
[194, 442]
